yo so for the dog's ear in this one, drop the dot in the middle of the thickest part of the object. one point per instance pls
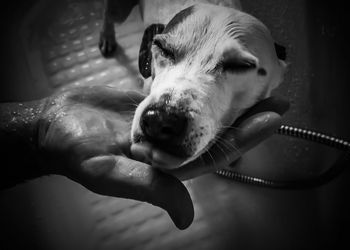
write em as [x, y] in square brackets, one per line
[281, 52]
[145, 54]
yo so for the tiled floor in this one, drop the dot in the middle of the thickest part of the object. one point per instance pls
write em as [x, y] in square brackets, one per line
[71, 55]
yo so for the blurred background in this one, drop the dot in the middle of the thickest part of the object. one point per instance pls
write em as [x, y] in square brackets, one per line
[50, 45]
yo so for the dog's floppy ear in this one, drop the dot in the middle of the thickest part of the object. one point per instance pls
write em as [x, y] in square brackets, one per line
[281, 52]
[145, 54]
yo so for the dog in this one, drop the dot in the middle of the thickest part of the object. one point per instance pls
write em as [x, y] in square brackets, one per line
[204, 67]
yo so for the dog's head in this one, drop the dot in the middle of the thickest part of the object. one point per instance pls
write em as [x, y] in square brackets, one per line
[208, 66]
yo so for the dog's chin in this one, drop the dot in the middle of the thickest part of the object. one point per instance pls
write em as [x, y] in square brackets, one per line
[159, 154]
[162, 156]
[177, 150]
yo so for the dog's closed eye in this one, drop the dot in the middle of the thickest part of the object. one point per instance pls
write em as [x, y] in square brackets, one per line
[236, 65]
[164, 50]
[236, 60]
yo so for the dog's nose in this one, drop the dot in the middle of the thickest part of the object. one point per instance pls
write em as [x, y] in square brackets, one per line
[161, 125]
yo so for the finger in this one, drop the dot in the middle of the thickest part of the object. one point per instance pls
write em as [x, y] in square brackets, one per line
[251, 128]
[145, 152]
[107, 97]
[275, 104]
[122, 177]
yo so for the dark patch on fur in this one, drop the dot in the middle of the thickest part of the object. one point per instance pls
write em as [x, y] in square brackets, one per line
[281, 52]
[262, 72]
[165, 99]
[178, 18]
[145, 54]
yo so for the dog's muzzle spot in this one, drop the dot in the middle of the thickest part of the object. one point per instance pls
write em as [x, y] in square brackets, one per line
[262, 72]
[165, 127]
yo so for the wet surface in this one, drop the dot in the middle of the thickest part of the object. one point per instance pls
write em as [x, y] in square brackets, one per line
[55, 213]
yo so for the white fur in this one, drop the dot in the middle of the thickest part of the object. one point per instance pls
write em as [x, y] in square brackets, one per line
[214, 99]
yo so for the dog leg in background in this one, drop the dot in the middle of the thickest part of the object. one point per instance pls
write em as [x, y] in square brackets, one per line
[114, 11]
[107, 43]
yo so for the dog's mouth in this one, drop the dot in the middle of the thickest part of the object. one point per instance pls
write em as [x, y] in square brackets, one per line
[165, 155]
[173, 131]
[174, 150]
[167, 128]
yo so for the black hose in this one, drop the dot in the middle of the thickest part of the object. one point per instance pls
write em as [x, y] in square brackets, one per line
[323, 178]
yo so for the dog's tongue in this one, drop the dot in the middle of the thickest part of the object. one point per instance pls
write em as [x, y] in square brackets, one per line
[147, 153]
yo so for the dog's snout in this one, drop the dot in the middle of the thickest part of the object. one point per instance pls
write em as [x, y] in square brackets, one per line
[161, 125]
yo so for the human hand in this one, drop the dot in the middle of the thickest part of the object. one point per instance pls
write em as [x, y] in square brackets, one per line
[84, 133]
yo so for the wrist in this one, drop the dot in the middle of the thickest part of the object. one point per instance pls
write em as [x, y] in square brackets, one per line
[18, 134]
[18, 121]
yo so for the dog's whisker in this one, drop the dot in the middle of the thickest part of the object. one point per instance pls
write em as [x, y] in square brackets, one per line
[223, 144]
[212, 158]
[218, 142]
[231, 127]
[228, 143]
[133, 100]
[202, 160]
[126, 112]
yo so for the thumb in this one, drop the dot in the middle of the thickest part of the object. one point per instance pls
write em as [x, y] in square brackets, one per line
[125, 178]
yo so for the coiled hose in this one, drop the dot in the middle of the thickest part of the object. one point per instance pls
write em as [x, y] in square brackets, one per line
[309, 135]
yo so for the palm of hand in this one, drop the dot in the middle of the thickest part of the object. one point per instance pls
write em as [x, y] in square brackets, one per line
[84, 134]
[85, 123]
